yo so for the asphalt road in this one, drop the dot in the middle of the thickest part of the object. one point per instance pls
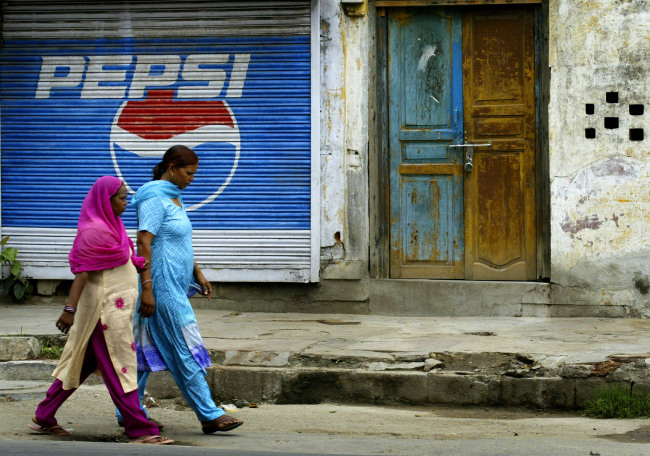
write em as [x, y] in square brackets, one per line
[35, 448]
[480, 447]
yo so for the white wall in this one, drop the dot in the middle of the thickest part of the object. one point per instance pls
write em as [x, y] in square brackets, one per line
[344, 142]
[600, 242]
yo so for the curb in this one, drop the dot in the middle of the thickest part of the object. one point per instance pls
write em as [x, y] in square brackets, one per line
[312, 385]
[458, 378]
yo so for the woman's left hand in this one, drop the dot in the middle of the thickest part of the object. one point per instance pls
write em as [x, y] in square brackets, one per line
[205, 285]
[144, 267]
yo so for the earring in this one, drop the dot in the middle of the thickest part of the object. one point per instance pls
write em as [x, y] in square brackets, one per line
[172, 173]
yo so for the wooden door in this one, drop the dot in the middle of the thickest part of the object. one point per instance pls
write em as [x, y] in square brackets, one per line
[425, 117]
[499, 106]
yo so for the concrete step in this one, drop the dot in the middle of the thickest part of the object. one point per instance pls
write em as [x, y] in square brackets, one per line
[367, 377]
[454, 378]
[237, 384]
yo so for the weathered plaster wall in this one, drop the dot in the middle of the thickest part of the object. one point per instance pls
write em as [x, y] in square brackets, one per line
[344, 144]
[600, 187]
[332, 130]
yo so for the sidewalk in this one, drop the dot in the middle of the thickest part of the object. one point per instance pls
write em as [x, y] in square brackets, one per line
[309, 358]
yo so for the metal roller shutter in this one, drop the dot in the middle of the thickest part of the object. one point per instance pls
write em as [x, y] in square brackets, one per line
[91, 89]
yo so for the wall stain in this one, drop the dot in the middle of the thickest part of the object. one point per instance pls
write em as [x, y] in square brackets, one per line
[641, 283]
[588, 222]
[615, 166]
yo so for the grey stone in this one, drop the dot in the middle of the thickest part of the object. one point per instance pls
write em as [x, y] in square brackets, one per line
[642, 387]
[230, 384]
[552, 365]
[27, 370]
[256, 358]
[586, 388]
[482, 361]
[161, 385]
[394, 366]
[46, 287]
[14, 348]
[541, 392]
[462, 389]
[433, 363]
[385, 387]
[410, 356]
[21, 389]
[454, 298]
[629, 372]
[353, 386]
[576, 371]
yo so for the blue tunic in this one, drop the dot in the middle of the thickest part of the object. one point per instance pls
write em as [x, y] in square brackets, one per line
[172, 327]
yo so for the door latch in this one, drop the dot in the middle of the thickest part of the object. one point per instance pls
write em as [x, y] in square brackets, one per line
[469, 157]
[469, 154]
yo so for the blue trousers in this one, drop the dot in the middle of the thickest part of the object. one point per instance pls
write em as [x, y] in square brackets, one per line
[191, 381]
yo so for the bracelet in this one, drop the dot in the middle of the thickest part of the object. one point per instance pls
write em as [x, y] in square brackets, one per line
[70, 309]
[146, 281]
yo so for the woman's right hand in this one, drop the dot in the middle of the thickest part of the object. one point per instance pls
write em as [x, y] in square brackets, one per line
[147, 303]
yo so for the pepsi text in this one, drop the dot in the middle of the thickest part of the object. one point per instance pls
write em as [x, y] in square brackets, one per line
[129, 76]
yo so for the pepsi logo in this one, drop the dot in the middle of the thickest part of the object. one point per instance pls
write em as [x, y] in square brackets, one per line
[142, 130]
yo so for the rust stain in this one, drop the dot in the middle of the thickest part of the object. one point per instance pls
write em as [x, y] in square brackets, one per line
[604, 368]
[414, 196]
[401, 17]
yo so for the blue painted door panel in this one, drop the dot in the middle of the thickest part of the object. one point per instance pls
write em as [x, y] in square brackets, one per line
[426, 177]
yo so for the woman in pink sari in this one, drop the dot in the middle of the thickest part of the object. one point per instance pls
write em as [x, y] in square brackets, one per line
[98, 316]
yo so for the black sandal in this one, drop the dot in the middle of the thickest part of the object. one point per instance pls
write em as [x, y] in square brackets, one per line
[216, 425]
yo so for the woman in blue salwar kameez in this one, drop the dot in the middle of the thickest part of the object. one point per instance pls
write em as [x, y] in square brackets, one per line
[165, 328]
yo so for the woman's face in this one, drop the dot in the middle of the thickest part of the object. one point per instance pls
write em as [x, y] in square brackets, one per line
[118, 201]
[183, 176]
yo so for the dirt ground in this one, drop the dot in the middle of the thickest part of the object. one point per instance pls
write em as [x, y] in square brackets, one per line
[395, 430]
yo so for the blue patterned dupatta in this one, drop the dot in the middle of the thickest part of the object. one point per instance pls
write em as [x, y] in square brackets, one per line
[149, 357]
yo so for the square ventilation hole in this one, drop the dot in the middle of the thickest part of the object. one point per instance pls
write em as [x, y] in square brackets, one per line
[611, 97]
[589, 108]
[636, 110]
[636, 134]
[590, 133]
[611, 122]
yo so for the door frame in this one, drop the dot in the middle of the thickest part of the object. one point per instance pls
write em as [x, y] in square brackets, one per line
[378, 166]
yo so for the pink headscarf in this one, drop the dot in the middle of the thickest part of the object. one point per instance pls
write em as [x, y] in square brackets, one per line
[101, 242]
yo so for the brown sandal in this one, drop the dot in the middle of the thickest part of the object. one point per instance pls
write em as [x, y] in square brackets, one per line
[224, 423]
[49, 430]
[152, 440]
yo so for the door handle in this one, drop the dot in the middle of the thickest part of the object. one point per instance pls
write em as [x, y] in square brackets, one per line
[469, 154]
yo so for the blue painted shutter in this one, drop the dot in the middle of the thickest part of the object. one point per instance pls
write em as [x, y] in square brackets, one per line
[91, 89]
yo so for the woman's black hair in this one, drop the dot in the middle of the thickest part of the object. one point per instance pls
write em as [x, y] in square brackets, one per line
[177, 156]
